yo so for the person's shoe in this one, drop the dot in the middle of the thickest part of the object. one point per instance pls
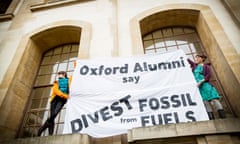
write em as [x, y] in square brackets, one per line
[211, 116]
[42, 128]
[221, 113]
[51, 128]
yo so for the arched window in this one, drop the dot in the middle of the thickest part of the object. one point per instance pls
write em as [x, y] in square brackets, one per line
[187, 39]
[54, 60]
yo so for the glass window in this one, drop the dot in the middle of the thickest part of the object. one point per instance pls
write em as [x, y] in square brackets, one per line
[4, 4]
[159, 43]
[54, 60]
[170, 39]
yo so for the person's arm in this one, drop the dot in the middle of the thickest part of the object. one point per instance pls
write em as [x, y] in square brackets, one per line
[207, 74]
[57, 92]
[192, 64]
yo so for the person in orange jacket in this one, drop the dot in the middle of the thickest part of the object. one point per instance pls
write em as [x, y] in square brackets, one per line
[60, 94]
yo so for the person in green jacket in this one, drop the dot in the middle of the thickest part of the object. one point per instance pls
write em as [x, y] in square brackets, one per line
[210, 96]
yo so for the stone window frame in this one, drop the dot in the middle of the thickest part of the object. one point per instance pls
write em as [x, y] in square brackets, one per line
[38, 37]
[222, 54]
[186, 35]
[14, 90]
[39, 110]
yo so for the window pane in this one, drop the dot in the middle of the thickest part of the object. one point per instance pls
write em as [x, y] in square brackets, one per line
[43, 115]
[159, 43]
[70, 73]
[161, 50]
[181, 40]
[45, 80]
[37, 93]
[49, 53]
[148, 44]
[62, 67]
[195, 47]
[185, 48]
[55, 59]
[59, 128]
[75, 48]
[188, 30]
[170, 42]
[46, 60]
[157, 34]
[47, 69]
[178, 31]
[150, 51]
[167, 32]
[32, 118]
[64, 58]
[192, 38]
[73, 56]
[4, 4]
[66, 49]
[173, 48]
[71, 66]
[55, 68]
[148, 37]
[35, 103]
[57, 51]
[45, 103]
[62, 115]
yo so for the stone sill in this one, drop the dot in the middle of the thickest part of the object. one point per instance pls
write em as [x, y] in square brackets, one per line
[59, 3]
[6, 17]
[218, 126]
[212, 127]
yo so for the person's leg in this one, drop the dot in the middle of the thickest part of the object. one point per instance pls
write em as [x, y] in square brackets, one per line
[43, 128]
[57, 108]
[54, 112]
[218, 106]
[51, 128]
[209, 110]
[50, 121]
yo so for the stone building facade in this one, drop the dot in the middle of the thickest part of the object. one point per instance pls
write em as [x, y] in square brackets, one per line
[40, 37]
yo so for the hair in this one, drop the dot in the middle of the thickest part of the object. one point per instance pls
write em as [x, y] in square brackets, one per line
[63, 72]
[204, 57]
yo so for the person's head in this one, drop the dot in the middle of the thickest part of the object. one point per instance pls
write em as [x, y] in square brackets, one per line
[62, 74]
[200, 58]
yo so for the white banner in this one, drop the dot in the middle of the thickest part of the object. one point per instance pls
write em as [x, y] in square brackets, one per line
[110, 96]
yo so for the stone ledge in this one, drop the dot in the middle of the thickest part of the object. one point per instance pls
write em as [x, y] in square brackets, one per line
[59, 139]
[6, 17]
[219, 126]
[47, 5]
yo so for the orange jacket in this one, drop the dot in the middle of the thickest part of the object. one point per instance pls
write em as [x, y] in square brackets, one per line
[57, 92]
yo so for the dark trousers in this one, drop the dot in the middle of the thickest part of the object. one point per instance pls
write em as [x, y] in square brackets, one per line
[56, 106]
